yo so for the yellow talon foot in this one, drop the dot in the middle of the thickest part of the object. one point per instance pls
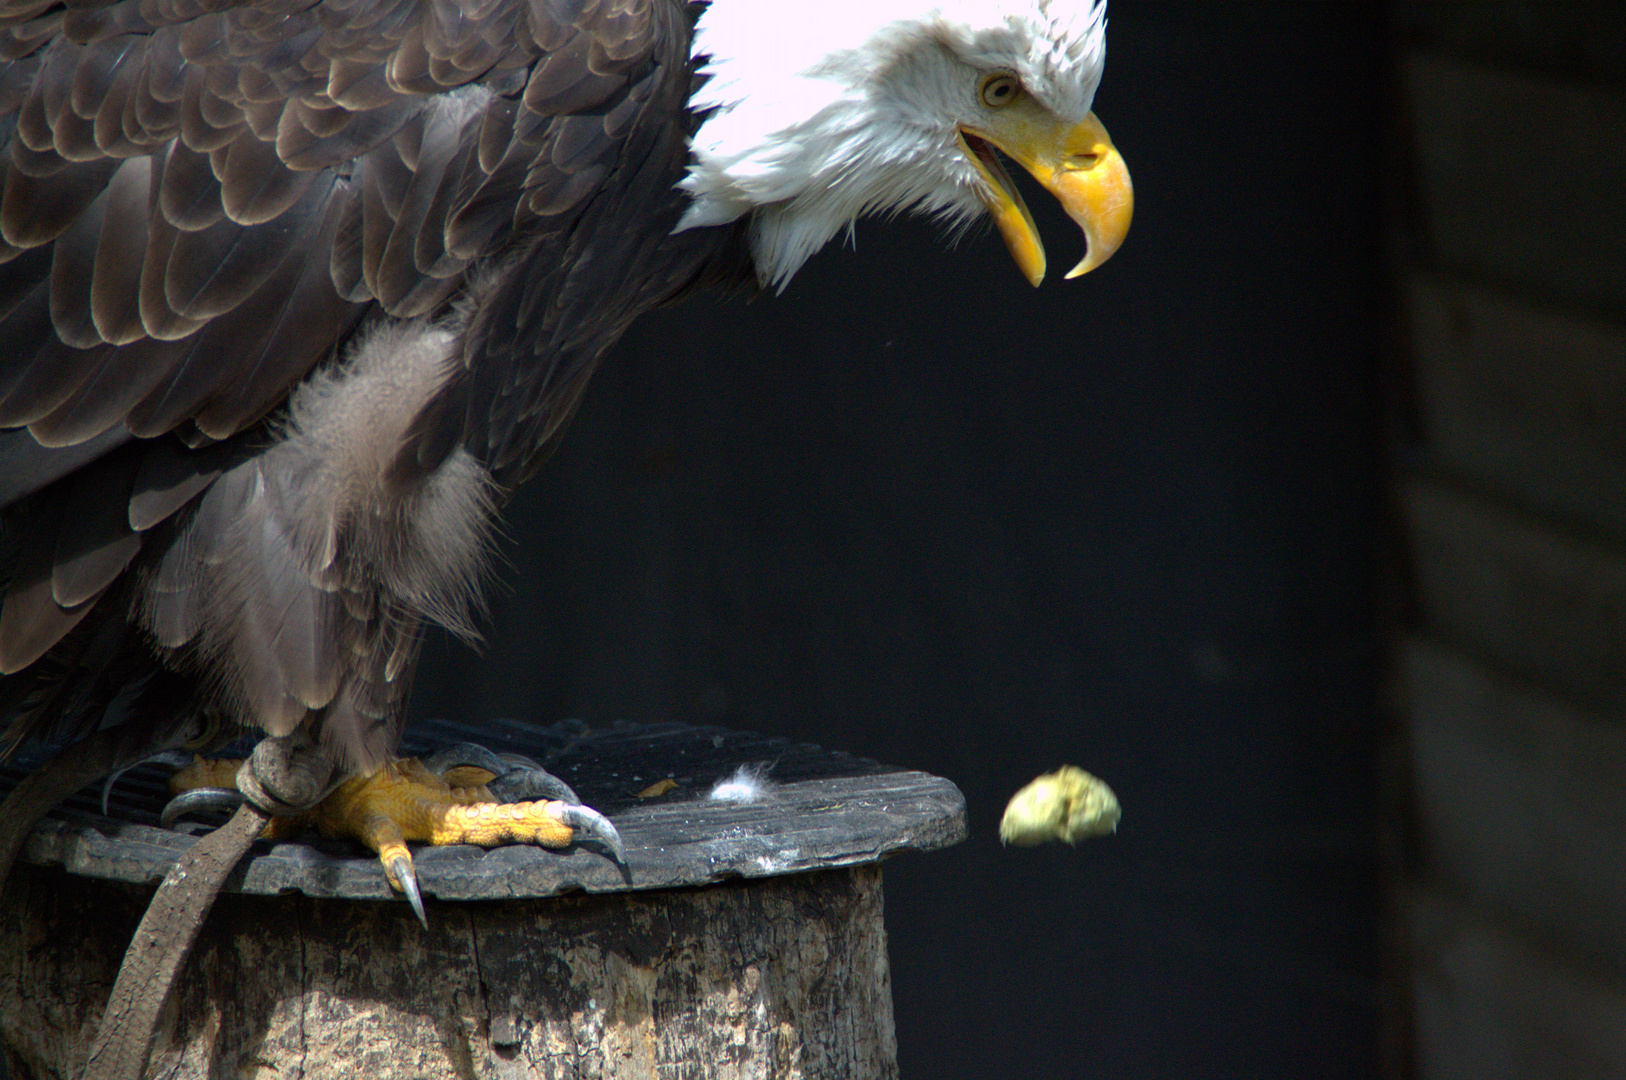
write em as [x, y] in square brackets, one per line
[204, 773]
[404, 801]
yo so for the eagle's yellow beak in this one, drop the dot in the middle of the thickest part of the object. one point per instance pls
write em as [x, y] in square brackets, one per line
[1078, 165]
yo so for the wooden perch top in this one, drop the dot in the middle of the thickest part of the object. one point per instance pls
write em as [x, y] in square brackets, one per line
[823, 809]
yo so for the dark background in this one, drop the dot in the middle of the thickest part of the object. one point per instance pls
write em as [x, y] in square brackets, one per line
[916, 510]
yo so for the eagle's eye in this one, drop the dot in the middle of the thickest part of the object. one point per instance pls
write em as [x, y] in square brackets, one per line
[999, 89]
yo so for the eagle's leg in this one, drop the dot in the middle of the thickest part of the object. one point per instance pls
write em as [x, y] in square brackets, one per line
[451, 803]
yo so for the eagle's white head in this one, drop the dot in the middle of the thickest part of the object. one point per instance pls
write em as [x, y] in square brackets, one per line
[826, 112]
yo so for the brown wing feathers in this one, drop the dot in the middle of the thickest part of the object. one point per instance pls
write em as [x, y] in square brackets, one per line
[201, 202]
[585, 178]
[247, 122]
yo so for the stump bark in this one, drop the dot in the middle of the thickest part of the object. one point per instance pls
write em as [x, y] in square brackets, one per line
[738, 940]
[774, 977]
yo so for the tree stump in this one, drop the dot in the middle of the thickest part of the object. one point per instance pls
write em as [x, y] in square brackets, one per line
[746, 940]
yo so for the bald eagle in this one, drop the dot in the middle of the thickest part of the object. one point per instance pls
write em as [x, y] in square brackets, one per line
[294, 294]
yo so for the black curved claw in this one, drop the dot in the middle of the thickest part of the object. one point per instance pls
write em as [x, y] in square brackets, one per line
[530, 783]
[407, 878]
[220, 800]
[526, 780]
[518, 778]
[474, 754]
[176, 759]
[592, 825]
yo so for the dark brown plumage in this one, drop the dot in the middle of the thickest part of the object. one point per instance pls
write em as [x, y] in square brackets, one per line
[294, 292]
[413, 216]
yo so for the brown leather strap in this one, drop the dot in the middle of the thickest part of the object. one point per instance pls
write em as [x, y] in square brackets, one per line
[162, 943]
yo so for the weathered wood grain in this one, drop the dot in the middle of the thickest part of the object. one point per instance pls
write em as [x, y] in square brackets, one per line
[1525, 400]
[1547, 604]
[1579, 40]
[1514, 685]
[1519, 179]
[1494, 1004]
[777, 969]
[1519, 801]
[780, 978]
